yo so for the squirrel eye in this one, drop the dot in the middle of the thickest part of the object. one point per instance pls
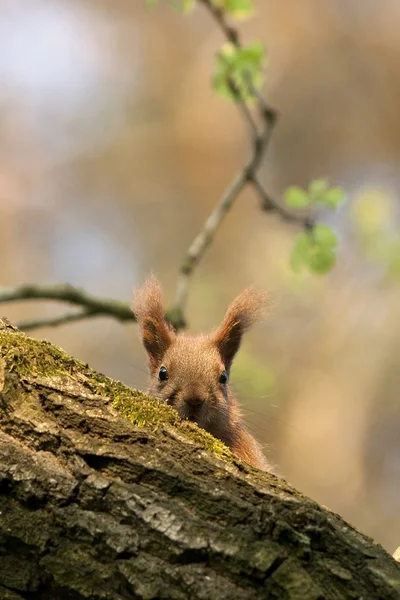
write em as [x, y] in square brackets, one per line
[163, 374]
[223, 378]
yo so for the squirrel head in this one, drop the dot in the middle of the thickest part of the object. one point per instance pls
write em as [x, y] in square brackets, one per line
[191, 373]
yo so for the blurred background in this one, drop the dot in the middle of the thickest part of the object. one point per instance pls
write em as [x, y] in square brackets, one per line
[113, 151]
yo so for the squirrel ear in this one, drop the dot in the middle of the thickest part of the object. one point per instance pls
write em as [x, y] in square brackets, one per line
[244, 311]
[157, 335]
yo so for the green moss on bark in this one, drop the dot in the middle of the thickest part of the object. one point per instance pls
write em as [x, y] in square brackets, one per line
[33, 359]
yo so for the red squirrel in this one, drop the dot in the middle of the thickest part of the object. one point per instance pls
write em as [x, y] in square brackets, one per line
[191, 373]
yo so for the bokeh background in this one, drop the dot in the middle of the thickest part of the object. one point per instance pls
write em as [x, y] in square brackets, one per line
[113, 151]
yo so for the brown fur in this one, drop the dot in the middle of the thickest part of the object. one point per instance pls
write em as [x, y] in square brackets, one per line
[195, 364]
[157, 334]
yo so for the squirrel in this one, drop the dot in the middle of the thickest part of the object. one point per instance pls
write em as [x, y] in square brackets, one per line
[191, 373]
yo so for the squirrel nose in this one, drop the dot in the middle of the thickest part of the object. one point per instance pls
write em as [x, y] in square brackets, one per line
[194, 401]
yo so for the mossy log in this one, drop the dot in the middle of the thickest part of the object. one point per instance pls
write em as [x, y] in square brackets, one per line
[105, 494]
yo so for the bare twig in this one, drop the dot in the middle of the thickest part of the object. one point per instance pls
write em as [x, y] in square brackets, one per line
[92, 306]
[204, 238]
[232, 35]
[260, 137]
[245, 110]
[268, 115]
[61, 320]
[67, 293]
[270, 205]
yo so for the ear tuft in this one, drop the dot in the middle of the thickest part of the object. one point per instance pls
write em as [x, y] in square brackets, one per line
[157, 335]
[248, 308]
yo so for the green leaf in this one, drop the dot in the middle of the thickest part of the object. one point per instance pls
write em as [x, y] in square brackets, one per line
[324, 236]
[315, 250]
[238, 8]
[220, 77]
[320, 192]
[252, 56]
[332, 197]
[295, 197]
[322, 259]
[316, 188]
[237, 69]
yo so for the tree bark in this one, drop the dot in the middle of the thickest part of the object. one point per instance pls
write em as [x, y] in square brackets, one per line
[105, 494]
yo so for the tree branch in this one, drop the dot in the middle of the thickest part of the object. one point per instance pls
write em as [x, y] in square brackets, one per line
[67, 293]
[270, 205]
[106, 493]
[92, 306]
[55, 322]
[260, 137]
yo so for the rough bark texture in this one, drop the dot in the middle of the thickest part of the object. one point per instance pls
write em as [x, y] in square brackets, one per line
[94, 504]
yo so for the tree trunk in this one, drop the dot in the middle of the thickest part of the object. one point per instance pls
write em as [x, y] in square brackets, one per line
[105, 494]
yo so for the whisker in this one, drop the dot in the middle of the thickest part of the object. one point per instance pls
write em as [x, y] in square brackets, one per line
[255, 412]
[292, 427]
[238, 393]
[132, 365]
[253, 427]
[269, 417]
